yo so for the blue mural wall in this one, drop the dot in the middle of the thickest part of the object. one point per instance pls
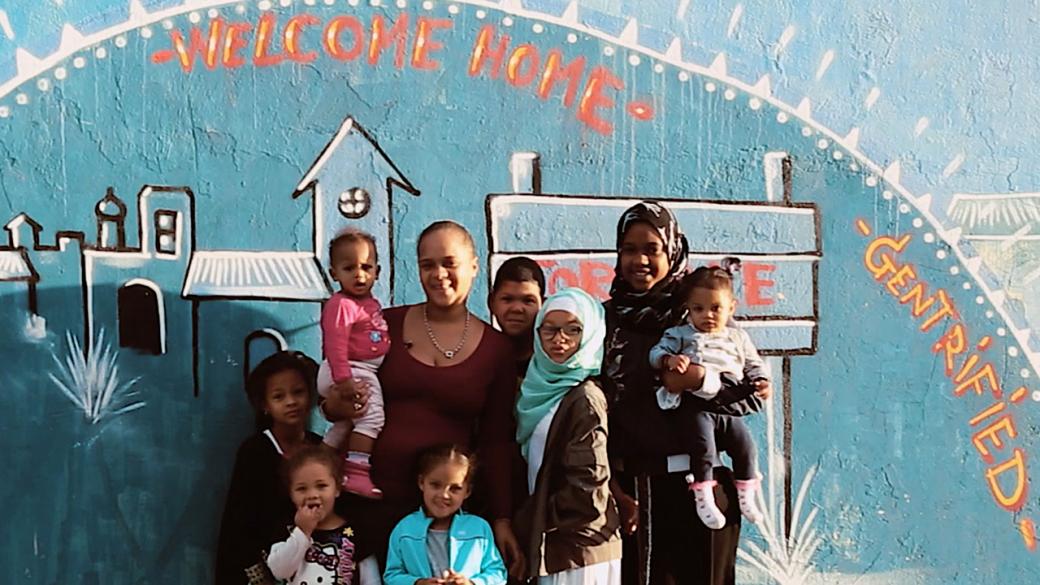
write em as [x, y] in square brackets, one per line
[170, 172]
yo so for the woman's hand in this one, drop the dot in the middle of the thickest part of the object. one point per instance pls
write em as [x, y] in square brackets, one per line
[510, 548]
[763, 389]
[356, 393]
[347, 400]
[628, 509]
[344, 389]
[453, 578]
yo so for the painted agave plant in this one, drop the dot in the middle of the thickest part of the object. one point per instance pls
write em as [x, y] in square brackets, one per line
[786, 559]
[90, 380]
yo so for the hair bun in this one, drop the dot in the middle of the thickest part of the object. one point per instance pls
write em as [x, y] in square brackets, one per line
[730, 264]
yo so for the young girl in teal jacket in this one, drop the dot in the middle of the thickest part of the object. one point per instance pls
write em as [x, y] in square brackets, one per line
[439, 544]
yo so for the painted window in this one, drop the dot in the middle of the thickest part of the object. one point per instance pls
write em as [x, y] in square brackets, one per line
[354, 203]
[166, 232]
[142, 319]
[261, 344]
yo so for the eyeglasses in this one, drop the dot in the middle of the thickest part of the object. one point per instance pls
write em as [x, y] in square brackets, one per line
[548, 332]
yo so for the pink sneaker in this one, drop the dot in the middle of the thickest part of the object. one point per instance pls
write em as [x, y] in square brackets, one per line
[704, 496]
[357, 480]
[746, 489]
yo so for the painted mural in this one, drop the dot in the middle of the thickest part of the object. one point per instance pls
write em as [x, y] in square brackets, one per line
[171, 172]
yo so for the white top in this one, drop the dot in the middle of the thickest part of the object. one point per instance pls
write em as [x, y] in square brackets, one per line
[286, 558]
[606, 573]
[536, 448]
[274, 441]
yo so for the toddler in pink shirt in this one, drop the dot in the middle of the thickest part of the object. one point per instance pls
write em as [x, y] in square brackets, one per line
[354, 340]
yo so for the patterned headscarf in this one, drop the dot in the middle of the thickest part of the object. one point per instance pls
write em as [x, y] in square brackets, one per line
[654, 310]
[547, 382]
[636, 320]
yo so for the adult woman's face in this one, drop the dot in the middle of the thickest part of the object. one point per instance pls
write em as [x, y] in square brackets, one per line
[447, 267]
[643, 260]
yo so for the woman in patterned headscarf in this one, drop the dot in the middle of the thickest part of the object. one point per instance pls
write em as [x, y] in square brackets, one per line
[666, 542]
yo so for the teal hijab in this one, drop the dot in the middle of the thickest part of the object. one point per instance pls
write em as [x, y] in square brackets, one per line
[547, 382]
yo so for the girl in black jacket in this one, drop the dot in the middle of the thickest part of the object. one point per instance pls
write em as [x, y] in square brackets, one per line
[257, 510]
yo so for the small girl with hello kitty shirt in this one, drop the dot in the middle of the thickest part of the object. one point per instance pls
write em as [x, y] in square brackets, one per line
[321, 547]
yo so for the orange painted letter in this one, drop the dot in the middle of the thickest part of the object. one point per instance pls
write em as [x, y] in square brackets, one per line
[754, 283]
[483, 53]
[882, 264]
[596, 278]
[292, 37]
[952, 343]
[233, 43]
[916, 295]
[593, 99]
[332, 38]
[899, 279]
[524, 57]
[553, 73]
[424, 43]
[1011, 502]
[264, 33]
[985, 373]
[992, 434]
[382, 39]
[561, 278]
[945, 310]
[209, 48]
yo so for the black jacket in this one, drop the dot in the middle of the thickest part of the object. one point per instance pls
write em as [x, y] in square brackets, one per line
[642, 435]
[256, 511]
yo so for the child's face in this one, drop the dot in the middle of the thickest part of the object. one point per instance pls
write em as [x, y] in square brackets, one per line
[444, 488]
[643, 260]
[515, 305]
[710, 309]
[312, 485]
[286, 399]
[560, 335]
[353, 267]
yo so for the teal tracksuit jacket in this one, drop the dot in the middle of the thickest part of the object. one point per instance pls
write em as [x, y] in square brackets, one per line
[471, 552]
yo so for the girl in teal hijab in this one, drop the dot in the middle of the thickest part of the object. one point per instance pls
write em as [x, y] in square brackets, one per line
[570, 521]
[548, 378]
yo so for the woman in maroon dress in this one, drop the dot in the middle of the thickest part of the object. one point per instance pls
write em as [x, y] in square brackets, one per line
[449, 377]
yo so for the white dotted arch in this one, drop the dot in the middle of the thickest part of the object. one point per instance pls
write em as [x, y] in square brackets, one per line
[73, 42]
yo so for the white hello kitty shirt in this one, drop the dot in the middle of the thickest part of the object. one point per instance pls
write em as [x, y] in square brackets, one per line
[324, 558]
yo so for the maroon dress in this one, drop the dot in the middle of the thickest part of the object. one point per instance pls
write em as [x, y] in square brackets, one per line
[469, 404]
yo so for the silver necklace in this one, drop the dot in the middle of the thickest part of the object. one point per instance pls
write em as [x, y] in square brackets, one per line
[448, 353]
